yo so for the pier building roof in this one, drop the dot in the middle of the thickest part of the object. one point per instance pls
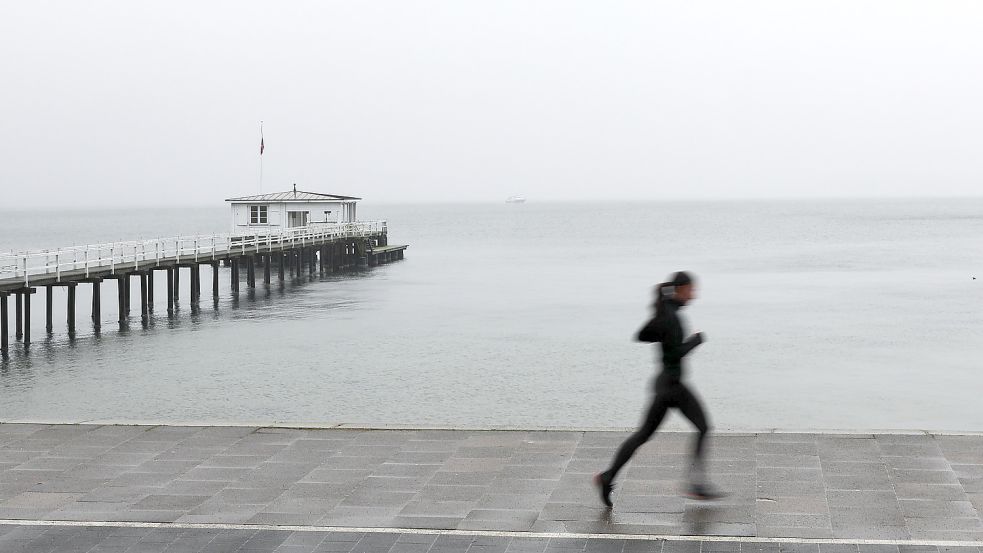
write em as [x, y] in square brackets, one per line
[294, 196]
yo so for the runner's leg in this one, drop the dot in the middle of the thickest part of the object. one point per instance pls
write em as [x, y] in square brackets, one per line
[652, 420]
[691, 408]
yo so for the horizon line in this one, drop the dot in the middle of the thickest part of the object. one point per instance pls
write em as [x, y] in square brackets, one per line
[676, 200]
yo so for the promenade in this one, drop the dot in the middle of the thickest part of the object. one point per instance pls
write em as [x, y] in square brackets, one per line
[105, 488]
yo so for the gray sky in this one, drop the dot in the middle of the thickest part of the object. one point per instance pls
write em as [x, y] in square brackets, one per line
[123, 103]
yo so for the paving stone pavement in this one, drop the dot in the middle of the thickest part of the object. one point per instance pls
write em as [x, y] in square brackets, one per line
[69, 539]
[847, 486]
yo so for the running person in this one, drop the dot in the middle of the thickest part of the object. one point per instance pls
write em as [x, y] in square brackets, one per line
[670, 391]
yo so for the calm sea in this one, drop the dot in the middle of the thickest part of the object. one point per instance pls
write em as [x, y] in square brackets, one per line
[845, 315]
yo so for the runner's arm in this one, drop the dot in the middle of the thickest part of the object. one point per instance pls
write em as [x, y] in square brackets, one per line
[653, 331]
[690, 343]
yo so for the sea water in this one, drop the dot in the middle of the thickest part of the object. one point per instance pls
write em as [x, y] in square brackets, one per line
[859, 314]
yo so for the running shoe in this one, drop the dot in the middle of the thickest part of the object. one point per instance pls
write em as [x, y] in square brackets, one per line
[605, 486]
[704, 493]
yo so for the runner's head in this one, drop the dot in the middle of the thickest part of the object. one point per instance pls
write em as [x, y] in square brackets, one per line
[680, 287]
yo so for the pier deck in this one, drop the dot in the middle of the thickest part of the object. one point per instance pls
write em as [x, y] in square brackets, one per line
[318, 247]
[279, 489]
[47, 267]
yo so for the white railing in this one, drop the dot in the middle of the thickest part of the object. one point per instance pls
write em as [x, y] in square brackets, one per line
[142, 254]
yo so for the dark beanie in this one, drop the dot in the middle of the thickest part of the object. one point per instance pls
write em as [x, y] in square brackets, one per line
[682, 278]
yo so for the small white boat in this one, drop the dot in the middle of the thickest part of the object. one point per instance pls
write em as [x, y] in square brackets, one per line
[515, 200]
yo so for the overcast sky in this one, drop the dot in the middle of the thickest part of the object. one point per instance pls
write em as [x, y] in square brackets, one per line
[141, 103]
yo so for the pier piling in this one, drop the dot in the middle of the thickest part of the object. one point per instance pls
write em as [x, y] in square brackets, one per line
[250, 272]
[129, 290]
[27, 315]
[4, 344]
[361, 253]
[170, 289]
[195, 284]
[48, 297]
[144, 310]
[71, 309]
[150, 290]
[235, 275]
[215, 279]
[96, 304]
[177, 285]
[282, 268]
[121, 292]
[18, 316]
[266, 268]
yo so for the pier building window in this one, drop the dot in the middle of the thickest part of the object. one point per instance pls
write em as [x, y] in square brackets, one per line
[258, 214]
[297, 219]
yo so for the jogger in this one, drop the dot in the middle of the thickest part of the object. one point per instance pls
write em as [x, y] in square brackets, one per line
[670, 391]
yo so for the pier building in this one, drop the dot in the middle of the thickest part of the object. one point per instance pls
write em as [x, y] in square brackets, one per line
[291, 209]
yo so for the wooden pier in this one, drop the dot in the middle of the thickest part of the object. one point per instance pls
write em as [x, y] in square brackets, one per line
[323, 248]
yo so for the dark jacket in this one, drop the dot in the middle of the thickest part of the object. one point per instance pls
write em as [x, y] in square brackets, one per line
[667, 329]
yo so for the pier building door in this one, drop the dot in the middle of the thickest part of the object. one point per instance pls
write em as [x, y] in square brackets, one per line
[296, 219]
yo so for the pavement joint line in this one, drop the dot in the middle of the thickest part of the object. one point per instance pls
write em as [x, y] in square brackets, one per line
[486, 533]
[299, 425]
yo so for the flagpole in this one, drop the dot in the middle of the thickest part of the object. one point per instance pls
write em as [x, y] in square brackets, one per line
[261, 147]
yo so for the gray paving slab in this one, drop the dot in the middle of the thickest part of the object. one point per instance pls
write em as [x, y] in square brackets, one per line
[783, 485]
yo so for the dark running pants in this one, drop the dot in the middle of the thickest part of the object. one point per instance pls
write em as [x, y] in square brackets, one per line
[669, 392]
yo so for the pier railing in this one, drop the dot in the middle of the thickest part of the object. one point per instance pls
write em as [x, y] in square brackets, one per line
[135, 255]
